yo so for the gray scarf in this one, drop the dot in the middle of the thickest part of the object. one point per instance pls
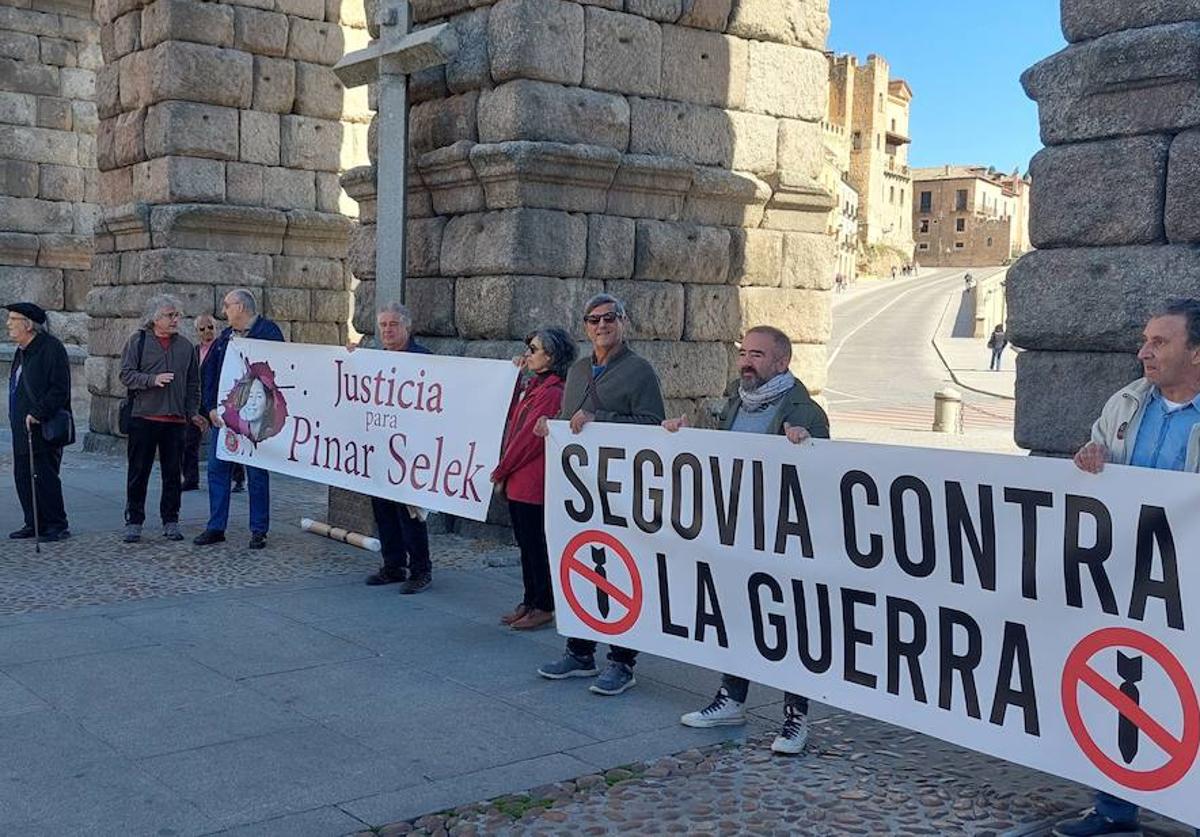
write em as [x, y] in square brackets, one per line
[757, 400]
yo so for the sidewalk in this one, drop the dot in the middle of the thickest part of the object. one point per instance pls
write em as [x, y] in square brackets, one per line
[162, 688]
[967, 358]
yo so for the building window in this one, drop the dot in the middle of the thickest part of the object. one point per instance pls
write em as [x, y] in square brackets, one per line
[902, 197]
[989, 244]
[857, 140]
[925, 225]
[924, 245]
[893, 126]
[958, 245]
[891, 194]
[927, 202]
[881, 103]
[960, 201]
[960, 224]
[879, 142]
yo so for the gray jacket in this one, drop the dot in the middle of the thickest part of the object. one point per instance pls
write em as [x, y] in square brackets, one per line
[628, 392]
[1119, 422]
[179, 398]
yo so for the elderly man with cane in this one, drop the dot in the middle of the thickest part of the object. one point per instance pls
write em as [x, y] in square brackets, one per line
[39, 386]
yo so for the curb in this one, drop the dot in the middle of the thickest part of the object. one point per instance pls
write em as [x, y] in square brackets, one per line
[935, 340]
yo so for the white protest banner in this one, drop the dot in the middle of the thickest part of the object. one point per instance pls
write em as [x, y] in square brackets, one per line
[1012, 605]
[422, 429]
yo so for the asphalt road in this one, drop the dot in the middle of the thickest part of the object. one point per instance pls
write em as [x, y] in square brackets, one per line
[882, 361]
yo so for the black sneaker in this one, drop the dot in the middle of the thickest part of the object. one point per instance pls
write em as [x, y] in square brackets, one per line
[22, 533]
[239, 487]
[258, 540]
[56, 535]
[208, 536]
[386, 576]
[416, 584]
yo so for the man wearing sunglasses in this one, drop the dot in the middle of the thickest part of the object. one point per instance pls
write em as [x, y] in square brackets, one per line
[612, 384]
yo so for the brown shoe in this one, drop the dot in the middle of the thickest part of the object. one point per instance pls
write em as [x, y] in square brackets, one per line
[533, 620]
[509, 618]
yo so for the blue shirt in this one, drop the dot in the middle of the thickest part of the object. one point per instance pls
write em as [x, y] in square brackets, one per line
[1162, 439]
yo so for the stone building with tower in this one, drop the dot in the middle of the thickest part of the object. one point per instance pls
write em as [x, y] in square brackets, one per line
[969, 216]
[866, 137]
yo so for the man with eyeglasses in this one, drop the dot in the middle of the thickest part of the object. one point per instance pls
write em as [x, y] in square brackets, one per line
[39, 385]
[161, 369]
[241, 312]
[612, 384]
[206, 333]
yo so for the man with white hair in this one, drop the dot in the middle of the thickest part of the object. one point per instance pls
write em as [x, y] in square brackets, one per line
[39, 385]
[161, 370]
[241, 312]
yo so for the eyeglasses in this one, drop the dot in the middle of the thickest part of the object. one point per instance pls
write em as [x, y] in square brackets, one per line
[595, 319]
[531, 349]
[171, 315]
[205, 328]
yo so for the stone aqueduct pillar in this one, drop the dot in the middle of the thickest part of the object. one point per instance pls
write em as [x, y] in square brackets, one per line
[666, 151]
[219, 148]
[1116, 210]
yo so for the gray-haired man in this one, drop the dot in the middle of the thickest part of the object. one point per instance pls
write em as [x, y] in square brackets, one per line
[611, 384]
[161, 370]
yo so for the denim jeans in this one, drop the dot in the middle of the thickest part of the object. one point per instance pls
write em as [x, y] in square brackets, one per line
[739, 689]
[1117, 810]
[220, 481]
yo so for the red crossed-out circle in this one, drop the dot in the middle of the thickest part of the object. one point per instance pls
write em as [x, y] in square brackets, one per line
[570, 565]
[1181, 751]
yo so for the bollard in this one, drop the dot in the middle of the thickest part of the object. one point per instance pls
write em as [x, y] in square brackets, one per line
[947, 411]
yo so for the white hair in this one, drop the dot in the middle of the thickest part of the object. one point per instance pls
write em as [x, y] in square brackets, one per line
[157, 304]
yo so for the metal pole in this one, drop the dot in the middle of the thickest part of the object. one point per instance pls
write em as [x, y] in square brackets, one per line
[391, 230]
[37, 536]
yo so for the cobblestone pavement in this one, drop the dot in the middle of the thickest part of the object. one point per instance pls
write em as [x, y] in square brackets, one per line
[97, 568]
[857, 776]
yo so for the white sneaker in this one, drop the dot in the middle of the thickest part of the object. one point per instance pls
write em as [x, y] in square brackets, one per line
[794, 735]
[724, 711]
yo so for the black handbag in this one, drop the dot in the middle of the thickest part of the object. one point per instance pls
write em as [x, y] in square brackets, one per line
[125, 410]
[58, 431]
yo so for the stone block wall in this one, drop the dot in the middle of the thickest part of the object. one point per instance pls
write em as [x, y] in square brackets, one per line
[665, 151]
[219, 147]
[1115, 215]
[49, 55]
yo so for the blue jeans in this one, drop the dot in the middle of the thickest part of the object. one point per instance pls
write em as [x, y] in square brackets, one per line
[1117, 810]
[220, 480]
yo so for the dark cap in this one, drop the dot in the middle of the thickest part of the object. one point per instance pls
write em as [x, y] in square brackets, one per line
[28, 309]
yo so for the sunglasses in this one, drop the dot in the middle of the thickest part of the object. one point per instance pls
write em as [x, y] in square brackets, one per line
[595, 319]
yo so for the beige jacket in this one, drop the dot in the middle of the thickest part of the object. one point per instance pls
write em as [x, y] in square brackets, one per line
[1117, 427]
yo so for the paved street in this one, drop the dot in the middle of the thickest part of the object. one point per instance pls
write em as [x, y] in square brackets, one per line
[884, 368]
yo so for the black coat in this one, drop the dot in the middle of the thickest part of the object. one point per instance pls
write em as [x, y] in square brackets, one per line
[46, 371]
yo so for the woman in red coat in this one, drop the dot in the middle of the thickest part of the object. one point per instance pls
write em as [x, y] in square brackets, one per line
[548, 354]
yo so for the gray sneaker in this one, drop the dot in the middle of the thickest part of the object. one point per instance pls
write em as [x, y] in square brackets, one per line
[568, 666]
[171, 532]
[133, 533]
[615, 679]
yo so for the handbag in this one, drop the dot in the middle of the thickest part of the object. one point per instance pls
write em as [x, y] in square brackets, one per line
[125, 409]
[58, 431]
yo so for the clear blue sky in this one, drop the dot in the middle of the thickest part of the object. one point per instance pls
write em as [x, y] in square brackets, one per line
[963, 61]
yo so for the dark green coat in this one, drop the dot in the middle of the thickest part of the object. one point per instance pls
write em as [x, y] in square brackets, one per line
[796, 408]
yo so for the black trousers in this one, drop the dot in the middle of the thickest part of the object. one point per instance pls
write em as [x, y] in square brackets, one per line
[586, 648]
[529, 528]
[146, 440]
[404, 538]
[739, 688]
[192, 439]
[51, 516]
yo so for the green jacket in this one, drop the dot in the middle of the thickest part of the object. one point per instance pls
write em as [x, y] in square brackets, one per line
[796, 408]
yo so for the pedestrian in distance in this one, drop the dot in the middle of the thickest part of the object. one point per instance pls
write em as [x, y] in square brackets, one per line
[615, 384]
[549, 353]
[161, 369]
[1152, 423]
[241, 312]
[206, 334]
[997, 342]
[766, 398]
[403, 533]
[39, 386]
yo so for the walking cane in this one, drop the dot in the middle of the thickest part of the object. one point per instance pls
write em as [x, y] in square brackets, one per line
[37, 538]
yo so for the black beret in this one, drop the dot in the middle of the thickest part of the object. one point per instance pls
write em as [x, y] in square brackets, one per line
[28, 309]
